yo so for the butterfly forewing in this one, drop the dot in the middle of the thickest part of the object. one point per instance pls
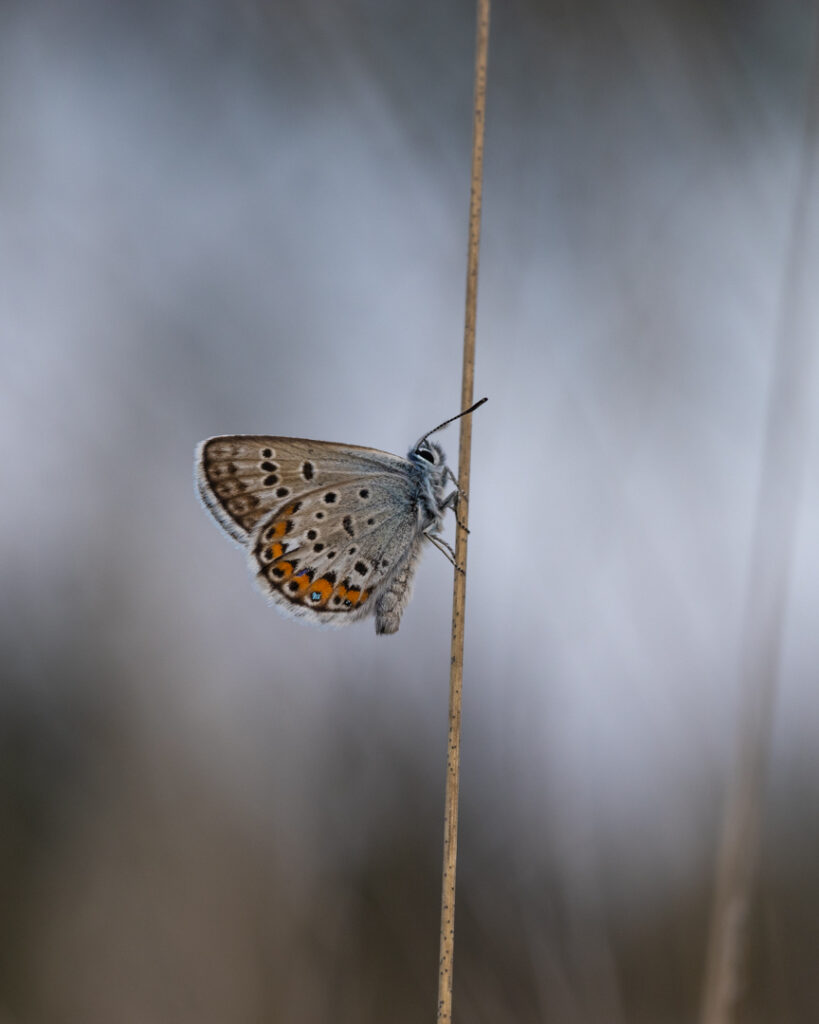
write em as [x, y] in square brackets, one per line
[242, 478]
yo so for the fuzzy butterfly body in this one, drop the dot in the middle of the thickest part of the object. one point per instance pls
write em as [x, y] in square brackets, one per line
[333, 532]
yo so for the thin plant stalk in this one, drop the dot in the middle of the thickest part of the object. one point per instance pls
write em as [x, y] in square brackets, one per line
[772, 550]
[447, 936]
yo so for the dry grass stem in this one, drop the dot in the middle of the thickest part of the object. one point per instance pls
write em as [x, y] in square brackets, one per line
[772, 549]
[447, 939]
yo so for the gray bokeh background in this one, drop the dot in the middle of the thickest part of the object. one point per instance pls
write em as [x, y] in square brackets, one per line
[242, 217]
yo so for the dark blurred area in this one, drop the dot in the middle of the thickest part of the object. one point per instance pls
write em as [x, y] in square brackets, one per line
[226, 217]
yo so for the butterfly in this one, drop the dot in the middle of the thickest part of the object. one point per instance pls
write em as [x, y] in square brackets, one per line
[333, 532]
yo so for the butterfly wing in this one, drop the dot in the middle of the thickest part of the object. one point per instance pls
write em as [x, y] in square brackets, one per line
[243, 478]
[337, 552]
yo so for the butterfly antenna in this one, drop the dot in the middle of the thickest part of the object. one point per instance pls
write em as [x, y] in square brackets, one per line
[452, 419]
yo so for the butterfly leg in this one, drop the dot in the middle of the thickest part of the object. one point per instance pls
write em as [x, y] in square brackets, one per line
[449, 475]
[451, 501]
[444, 547]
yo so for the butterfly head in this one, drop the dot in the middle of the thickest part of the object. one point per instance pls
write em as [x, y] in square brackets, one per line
[430, 472]
[428, 452]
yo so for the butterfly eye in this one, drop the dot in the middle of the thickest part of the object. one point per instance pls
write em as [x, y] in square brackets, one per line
[425, 453]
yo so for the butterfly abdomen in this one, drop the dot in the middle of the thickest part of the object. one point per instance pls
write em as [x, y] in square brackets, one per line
[395, 596]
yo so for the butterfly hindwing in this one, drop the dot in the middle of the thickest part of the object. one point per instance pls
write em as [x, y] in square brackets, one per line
[330, 552]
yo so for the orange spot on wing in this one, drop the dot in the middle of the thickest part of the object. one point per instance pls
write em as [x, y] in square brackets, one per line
[349, 597]
[364, 595]
[286, 569]
[279, 529]
[303, 581]
[276, 550]
[324, 589]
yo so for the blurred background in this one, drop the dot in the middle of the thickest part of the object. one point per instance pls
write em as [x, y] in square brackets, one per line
[234, 216]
